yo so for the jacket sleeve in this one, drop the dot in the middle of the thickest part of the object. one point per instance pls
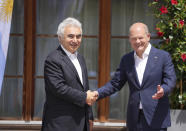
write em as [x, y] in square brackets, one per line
[56, 84]
[169, 76]
[115, 84]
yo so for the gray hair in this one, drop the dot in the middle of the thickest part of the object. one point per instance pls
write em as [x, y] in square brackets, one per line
[66, 22]
[144, 26]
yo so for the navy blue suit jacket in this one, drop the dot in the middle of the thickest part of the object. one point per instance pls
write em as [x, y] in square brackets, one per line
[159, 71]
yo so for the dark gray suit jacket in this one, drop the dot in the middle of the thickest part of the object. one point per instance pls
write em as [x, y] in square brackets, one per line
[159, 71]
[65, 108]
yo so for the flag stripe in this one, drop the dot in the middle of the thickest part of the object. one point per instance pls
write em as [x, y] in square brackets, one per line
[5, 23]
[2, 63]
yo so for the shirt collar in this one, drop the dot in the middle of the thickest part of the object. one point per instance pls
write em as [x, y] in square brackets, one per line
[146, 52]
[69, 54]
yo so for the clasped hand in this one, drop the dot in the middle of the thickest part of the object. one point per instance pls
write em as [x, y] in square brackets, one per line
[92, 96]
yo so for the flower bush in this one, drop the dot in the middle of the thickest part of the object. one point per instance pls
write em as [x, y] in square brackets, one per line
[171, 16]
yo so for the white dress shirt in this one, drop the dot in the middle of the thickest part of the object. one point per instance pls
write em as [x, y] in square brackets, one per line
[74, 60]
[140, 64]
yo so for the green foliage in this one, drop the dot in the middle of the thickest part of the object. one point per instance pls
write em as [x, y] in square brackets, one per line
[171, 15]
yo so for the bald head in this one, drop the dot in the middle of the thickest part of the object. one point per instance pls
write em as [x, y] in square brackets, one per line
[138, 26]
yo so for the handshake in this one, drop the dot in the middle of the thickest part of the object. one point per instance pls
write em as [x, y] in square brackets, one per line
[92, 96]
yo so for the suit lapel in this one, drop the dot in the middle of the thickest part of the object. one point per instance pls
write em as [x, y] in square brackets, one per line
[83, 68]
[134, 72]
[69, 63]
[151, 62]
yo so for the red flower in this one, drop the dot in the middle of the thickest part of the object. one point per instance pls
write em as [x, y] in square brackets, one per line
[160, 34]
[181, 23]
[156, 0]
[174, 2]
[183, 56]
[163, 10]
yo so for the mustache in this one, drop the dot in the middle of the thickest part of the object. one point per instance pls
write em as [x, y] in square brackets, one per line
[73, 44]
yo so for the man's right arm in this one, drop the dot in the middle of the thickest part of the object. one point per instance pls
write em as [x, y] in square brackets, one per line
[116, 83]
[56, 84]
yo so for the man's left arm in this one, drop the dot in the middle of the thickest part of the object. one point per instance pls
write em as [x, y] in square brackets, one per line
[168, 79]
[89, 105]
[169, 76]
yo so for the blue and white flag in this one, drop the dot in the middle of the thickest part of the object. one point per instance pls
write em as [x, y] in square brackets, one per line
[6, 7]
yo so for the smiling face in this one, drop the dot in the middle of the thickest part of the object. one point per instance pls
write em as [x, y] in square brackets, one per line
[139, 38]
[71, 39]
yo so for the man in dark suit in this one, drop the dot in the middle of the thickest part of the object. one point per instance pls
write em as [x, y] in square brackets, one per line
[66, 83]
[151, 77]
